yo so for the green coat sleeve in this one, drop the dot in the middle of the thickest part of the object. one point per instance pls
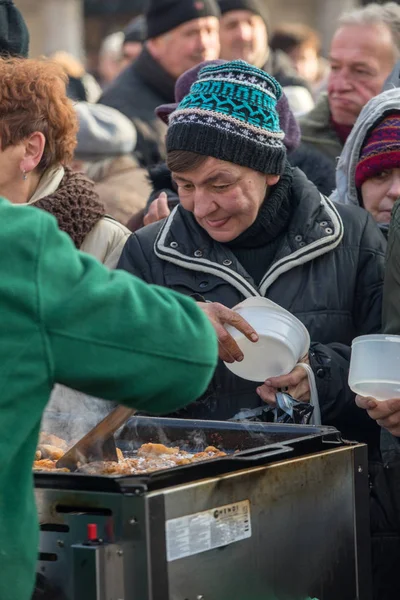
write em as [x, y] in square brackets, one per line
[111, 335]
[391, 289]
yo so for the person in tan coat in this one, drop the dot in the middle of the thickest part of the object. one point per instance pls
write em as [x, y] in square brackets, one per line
[106, 140]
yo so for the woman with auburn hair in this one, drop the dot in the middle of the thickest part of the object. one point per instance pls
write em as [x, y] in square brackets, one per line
[38, 128]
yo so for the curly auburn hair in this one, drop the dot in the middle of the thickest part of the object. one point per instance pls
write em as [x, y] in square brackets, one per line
[33, 99]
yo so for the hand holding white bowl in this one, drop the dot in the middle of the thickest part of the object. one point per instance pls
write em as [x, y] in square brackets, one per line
[219, 315]
[295, 383]
[385, 412]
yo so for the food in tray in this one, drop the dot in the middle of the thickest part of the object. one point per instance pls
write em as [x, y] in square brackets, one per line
[49, 451]
[147, 459]
[52, 440]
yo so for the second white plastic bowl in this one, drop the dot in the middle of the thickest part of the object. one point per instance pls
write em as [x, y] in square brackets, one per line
[375, 366]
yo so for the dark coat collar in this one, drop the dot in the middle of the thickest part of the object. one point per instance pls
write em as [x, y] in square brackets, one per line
[315, 229]
[155, 76]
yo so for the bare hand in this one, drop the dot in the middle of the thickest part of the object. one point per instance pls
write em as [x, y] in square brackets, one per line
[158, 210]
[386, 412]
[295, 384]
[220, 315]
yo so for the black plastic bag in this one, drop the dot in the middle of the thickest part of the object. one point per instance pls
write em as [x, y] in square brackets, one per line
[287, 410]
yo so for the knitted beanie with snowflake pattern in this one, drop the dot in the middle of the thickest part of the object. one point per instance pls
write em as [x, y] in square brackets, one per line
[230, 114]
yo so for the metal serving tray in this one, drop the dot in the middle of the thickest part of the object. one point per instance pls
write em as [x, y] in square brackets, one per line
[247, 444]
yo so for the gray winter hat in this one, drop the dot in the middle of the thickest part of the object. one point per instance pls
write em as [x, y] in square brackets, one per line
[104, 132]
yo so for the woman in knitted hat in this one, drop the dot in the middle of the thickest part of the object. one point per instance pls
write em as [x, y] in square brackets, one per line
[247, 225]
[314, 164]
[368, 171]
[38, 129]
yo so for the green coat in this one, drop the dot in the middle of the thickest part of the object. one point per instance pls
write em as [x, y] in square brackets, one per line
[65, 318]
[317, 130]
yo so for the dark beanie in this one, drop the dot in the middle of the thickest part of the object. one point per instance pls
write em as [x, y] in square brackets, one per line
[135, 31]
[258, 7]
[164, 15]
[14, 34]
[230, 114]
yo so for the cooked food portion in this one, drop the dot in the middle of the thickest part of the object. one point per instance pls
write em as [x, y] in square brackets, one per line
[47, 465]
[48, 451]
[52, 440]
[148, 458]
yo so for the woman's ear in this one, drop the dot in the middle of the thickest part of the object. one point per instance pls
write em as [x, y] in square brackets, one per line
[272, 179]
[34, 148]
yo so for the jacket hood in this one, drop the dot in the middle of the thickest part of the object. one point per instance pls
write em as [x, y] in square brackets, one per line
[371, 114]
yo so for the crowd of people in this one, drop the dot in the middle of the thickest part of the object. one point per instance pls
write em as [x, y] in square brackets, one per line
[219, 160]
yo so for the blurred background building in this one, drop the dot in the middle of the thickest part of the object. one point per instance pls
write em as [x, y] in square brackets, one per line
[79, 26]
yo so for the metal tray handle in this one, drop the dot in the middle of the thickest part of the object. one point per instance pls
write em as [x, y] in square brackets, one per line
[256, 455]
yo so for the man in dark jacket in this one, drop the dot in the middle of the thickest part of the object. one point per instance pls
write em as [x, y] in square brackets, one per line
[180, 34]
[248, 225]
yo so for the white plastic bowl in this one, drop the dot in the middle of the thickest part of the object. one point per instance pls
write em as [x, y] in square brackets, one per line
[375, 366]
[283, 340]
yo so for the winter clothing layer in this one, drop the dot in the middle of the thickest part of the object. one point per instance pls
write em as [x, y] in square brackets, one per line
[67, 319]
[327, 270]
[106, 241]
[239, 126]
[318, 168]
[255, 248]
[318, 131]
[121, 185]
[14, 34]
[72, 199]
[373, 112]
[385, 479]
[164, 15]
[137, 92]
[75, 205]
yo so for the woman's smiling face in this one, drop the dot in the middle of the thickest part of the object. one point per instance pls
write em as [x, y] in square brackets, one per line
[224, 198]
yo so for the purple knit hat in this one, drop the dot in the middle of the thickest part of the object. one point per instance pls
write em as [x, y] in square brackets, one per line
[287, 119]
[381, 150]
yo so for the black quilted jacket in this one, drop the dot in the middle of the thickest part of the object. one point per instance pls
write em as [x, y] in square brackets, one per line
[328, 272]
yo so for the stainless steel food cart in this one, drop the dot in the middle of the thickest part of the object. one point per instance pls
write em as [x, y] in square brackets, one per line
[283, 517]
